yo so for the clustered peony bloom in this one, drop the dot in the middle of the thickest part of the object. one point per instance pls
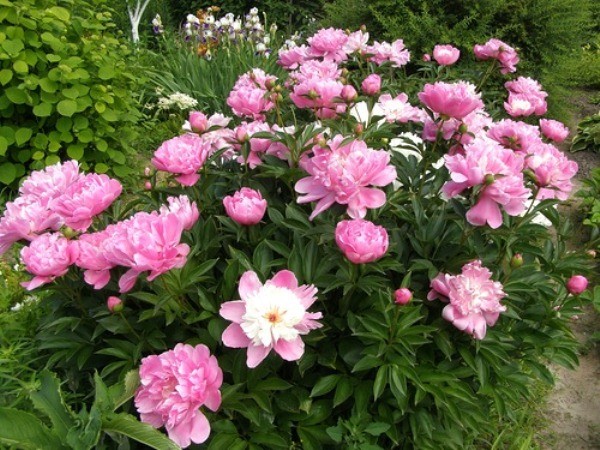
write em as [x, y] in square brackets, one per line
[342, 174]
[497, 172]
[258, 146]
[500, 51]
[328, 44]
[174, 386]
[451, 100]
[525, 97]
[47, 257]
[371, 85]
[554, 130]
[246, 206]
[269, 317]
[445, 55]
[473, 298]
[399, 110]
[395, 52]
[184, 156]
[250, 96]
[552, 169]
[361, 241]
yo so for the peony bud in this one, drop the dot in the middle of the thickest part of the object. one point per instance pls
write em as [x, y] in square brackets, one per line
[516, 261]
[577, 284]
[148, 186]
[372, 84]
[489, 179]
[426, 57]
[402, 296]
[198, 122]
[358, 129]
[361, 241]
[349, 94]
[114, 304]
[246, 206]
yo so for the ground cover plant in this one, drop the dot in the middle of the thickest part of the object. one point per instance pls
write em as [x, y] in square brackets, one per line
[356, 255]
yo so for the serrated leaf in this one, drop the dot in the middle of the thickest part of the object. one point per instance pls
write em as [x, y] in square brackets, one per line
[49, 401]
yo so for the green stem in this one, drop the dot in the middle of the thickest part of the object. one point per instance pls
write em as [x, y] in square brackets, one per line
[487, 74]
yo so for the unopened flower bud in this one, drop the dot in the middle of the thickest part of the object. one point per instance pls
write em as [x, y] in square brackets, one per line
[426, 57]
[577, 284]
[349, 94]
[69, 232]
[385, 141]
[147, 171]
[489, 179]
[345, 72]
[402, 296]
[322, 143]
[516, 261]
[463, 128]
[363, 28]
[312, 94]
[278, 88]
[270, 84]
[241, 135]
[148, 186]
[114, 304]
[279, 98]
[358, 129]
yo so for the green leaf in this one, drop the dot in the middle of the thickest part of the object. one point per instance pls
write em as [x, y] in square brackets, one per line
[343, 391]
[20, 67]
[106, 72]
[377, 428]
[49, 401]
[23, 135]
[75, 151]
[60, 13]
[42, 109]
[16, 95]
[129, 426]
[5, 76]
[19, 427]
[324, 385]
[66, 107]
[8, 173]
[127, 389]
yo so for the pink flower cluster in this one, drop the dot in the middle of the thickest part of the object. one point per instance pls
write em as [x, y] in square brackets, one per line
[270, 316]
[525, 97]
[343, 173]
[399, 110]
[251, 95]
[258, 146]
[183, 156]
[57, 196]
[174, 386]
[500, 51]
[146, 242]
[473, 298]
[396, 53]
[451, 100]
[496, 172]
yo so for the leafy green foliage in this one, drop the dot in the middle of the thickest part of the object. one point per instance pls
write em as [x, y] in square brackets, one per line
[66, 88]
[591, 207]
[588, 135]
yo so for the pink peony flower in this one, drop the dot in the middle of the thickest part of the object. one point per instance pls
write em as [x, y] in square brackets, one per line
[348, 93]
[474, 299]
[402, 296]
[399, 110]
[316, 70]
[91, 258]
[554, 130]
[259, 146]
[361, 241]
[496, 49]
[525, 97]
[371, 85]
[246, 206]
[47, 184]
[455, 100]
[577, 284]
[114, 304]
[86, 198]
[184, 156]
[321, 95]
[293, 57]
[269, 317]
[328, 44]
[26, 218]
[198, 122]
[184, 209]
[552, 169]
[47, 257]
[426, 57]
[343, 174]
[446, 55]
[519, 105]
[395, 52]
[357, 42]
[517, 136]
[174, 386]
[251, 102]
[497, 171]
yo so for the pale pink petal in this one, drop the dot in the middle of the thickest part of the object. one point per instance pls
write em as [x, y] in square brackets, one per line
[285, 279]
[188, 179]
[290, 350]
[249, 283]
[97, 278]
[127, 280]
[485, 210]
[233, 310]
[234, 337]
[200, 428]
[256, 354]
[36, 282]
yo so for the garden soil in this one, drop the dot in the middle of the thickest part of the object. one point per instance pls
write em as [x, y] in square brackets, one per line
[572, 412]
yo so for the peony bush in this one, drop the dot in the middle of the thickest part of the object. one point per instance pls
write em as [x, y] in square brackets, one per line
[366, 254]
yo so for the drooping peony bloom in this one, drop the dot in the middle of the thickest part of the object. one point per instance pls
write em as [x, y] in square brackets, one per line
[554, 130]
[26, 218]
[502, 52]
[328, 44]
[455, 100]
[342, 174]
[49, 183]
[577, 284]
[446, 55]
[371, 85]
[361, 241]
[246, 206]
[86, 198]
[399, 110]
[48, 256]
[552, 169]
[174, 386]
[498, 171]
[183, 156]
[473, 298]
[402, 296]
[269, 317]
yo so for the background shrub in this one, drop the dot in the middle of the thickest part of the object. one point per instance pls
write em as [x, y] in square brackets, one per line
[68, 89]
